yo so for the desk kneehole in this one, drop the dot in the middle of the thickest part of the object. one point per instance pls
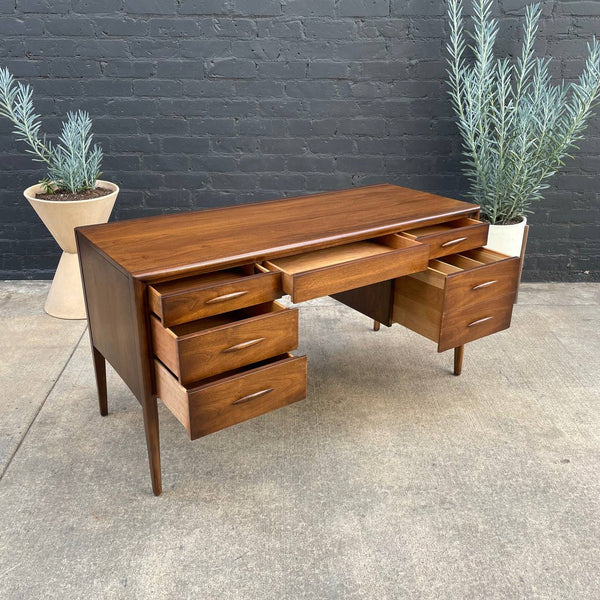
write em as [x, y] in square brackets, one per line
[459, 298]
[207, 347]
[236, 396]
[340, 268]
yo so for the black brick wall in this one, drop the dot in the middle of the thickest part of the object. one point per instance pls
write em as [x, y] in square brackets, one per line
[202, 103]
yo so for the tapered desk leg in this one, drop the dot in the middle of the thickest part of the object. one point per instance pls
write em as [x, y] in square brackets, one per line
[150, 408]
[100, 371]
[376, 325]
[459, 352]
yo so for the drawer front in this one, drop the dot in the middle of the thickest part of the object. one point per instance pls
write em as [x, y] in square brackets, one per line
[479, 284]
[195, 298]
[236, 398]
[452, 237]
[341, 275]
[461, 326]
[208, 352]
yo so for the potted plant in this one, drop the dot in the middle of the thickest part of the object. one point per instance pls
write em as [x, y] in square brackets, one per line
[70, 196]
[517, 127]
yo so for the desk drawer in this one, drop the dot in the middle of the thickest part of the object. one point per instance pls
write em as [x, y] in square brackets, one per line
[217, 403]
[192, 298]
[451, 237]
[461, 326]
[480, 275]
[332, 270]
[458, 298]
[194, 351]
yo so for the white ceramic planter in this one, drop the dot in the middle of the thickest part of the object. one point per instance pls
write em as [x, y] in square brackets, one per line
[507, 239]
[65, 299]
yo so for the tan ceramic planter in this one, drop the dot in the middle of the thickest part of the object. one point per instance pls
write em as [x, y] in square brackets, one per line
[65, 299]
[507, 239]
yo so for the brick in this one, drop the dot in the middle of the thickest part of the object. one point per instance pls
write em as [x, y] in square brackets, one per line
[129, 69]
[165, 162]
[16, 26]
[257, 49]
[329, 70]
[180, 69]
[372, 127]
[242, 28]
[311, 164]
[43, 6]
[211, 126]
[282, 145]
[310, 8]
[289, 29]
[328, 29]
[121, 26]
[363, 8]
[153, 48]
[134, 143]
[7, 7]
[202, 7]
[103, 48]
[232, 68]
[50, 47]
[266, 127]
[404, 8]
[386, 28]
[258, 8]
[153, 7]
[157, 87]
[312, 89]
[159, 126]
[256, 163]
[278, 108]
[201, 49]
[209, 88]
[90, 6]
[67, 26]
[282, 69]
[185, 27]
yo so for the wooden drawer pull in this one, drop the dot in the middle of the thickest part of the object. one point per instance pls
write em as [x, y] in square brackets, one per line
[480, 321]
[452, 242]
[244, 345]
[226, 297]
[253, 396]
[484, 284]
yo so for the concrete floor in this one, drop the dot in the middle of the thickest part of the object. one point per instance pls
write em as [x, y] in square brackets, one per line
[393, 479]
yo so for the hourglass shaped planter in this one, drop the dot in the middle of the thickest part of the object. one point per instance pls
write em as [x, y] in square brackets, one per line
[65, 299]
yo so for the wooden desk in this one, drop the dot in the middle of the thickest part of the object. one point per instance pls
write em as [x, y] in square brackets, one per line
[184, 307]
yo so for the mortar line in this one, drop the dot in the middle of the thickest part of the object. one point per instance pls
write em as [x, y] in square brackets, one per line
[9, 462]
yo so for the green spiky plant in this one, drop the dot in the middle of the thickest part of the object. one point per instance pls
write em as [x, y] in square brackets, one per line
[517, 127]
[73, 163]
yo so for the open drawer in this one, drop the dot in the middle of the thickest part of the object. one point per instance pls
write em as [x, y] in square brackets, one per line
[192, 298]
[451, 237]
[220, 402]
[459, 298]
[331, 270]
[206, 347]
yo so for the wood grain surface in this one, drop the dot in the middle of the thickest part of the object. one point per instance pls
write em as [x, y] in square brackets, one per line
[155, 248]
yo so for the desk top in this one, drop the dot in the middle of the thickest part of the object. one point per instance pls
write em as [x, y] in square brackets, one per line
[167, 246]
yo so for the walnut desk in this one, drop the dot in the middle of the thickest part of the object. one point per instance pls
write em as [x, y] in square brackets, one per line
[183, 306]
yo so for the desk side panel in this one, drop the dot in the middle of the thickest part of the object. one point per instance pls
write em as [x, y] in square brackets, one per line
[112, 315]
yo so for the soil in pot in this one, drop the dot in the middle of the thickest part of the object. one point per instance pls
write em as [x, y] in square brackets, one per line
[64, 196]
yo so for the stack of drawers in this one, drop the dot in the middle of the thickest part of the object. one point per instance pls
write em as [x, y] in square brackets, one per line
[221, 347]
[221, 343]
[465, 293]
